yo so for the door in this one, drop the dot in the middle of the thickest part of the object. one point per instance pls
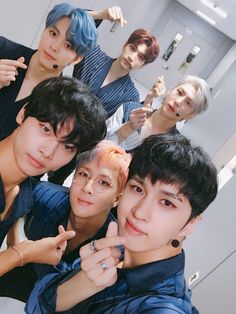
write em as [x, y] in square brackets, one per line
[181, 52]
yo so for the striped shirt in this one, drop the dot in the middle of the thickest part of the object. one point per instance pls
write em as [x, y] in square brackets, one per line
[93, 71]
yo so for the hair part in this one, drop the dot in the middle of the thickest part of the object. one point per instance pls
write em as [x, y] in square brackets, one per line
[173, 160]
[141, 36]
[62, 100]
[111, 155]
[82, 33]
[203, 97]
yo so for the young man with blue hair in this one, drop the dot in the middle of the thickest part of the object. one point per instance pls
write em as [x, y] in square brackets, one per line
[69, 35]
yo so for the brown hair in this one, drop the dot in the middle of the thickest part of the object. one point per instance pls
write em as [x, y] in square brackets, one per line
[141, 36]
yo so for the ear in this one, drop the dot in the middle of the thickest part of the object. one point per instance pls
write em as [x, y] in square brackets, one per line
[116, 201]
[77, 59]
[190, 226]
[20, 116]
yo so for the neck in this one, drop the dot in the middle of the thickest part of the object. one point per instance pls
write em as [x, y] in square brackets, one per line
[86, 227]
[117, 70]
[134, 259]
[11, 174]
[38, 72]
[160, 123]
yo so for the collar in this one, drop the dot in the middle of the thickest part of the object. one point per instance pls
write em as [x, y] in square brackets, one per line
[23, 200]
[142, 278]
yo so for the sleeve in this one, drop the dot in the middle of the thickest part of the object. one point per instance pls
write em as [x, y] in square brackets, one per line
[114, 123]
[50, 202]
[3, 41]
[43, 297]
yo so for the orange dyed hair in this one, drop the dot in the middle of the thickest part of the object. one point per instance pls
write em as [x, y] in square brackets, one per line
[111, 155]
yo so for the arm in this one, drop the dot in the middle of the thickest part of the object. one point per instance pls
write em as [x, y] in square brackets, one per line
[113, 14]
[47, 250]
[59, 292]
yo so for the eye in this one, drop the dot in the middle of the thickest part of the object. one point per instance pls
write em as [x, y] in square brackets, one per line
[104, 182]
[82, 173]
[136, 188]
[52, 32]
[167, 203]
[141, 58]
[132, 47]
[70, 147]
[45, 129]
[68, 46]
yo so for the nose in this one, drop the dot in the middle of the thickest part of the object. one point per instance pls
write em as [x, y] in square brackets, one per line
[88, 187]
[48, 150]
[142, 210]
[55, 45]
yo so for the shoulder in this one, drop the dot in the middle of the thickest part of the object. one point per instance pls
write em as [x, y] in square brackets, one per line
[128, 107]
[12, 50]
[163, 304]
[46, 192]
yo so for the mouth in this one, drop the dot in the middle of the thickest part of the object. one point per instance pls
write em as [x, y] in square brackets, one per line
[84, 202]
[127, 63]
[132, 228]
[170, 108]
[48, 56]
[34, 162]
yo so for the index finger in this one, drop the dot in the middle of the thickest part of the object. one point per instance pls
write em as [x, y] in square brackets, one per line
[15, 63]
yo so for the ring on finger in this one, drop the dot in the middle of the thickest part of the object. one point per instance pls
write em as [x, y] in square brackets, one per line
[104, 266]
[93, 247]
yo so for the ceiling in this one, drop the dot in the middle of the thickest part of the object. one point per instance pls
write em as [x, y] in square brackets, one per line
[225, 25]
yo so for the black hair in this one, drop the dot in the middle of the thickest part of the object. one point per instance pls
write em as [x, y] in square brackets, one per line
[172, 159]
[60, 100]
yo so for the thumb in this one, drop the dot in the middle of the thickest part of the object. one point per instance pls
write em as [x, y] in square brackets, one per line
[21, 59]
[112, 230]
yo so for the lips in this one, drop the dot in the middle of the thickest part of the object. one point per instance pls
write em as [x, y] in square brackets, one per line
[34, 162]
[170, 108]
[132, 229]
[49, 57]
[84, 202]
[127, 63]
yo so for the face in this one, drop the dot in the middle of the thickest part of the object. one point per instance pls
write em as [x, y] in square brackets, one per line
[38, 150]
[150, 216]
[179, 103]
[54, 48]
[94, 189]
[133, 57]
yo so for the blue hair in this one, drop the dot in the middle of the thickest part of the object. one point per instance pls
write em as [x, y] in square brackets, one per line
[82, 33]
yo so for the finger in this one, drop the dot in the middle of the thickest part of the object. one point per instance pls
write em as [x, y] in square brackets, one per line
[103, 278]
[14, 63]
[108, 242]
[89, 262]
[61, 229]
[112, 230]
[64, 236]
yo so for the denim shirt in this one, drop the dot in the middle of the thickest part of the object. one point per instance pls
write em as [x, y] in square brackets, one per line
[21, 206]
[157, 287]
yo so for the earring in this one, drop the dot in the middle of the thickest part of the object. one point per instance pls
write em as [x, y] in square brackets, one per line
[175, 243]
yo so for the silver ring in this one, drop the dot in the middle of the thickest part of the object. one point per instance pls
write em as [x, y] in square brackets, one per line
[93, 246]
[104, 266]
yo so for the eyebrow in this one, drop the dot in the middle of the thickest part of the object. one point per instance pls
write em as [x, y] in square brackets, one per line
[172, 195]
[138, 179]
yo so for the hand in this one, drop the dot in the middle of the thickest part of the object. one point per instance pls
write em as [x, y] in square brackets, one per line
[113, 14]
[157, 90]
[99, 264]
[138, 117]
[47, 250]
[8, 70]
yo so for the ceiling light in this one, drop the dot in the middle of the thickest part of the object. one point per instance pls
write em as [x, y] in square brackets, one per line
[206, 18]
[215, 8]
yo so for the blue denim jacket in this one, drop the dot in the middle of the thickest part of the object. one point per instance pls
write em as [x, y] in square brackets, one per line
[157, 287]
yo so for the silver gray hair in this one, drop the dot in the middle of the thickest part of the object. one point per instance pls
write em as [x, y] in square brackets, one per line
[203, 98]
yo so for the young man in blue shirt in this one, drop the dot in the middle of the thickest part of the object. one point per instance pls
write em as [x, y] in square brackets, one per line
[171, 183]
[60, 118]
